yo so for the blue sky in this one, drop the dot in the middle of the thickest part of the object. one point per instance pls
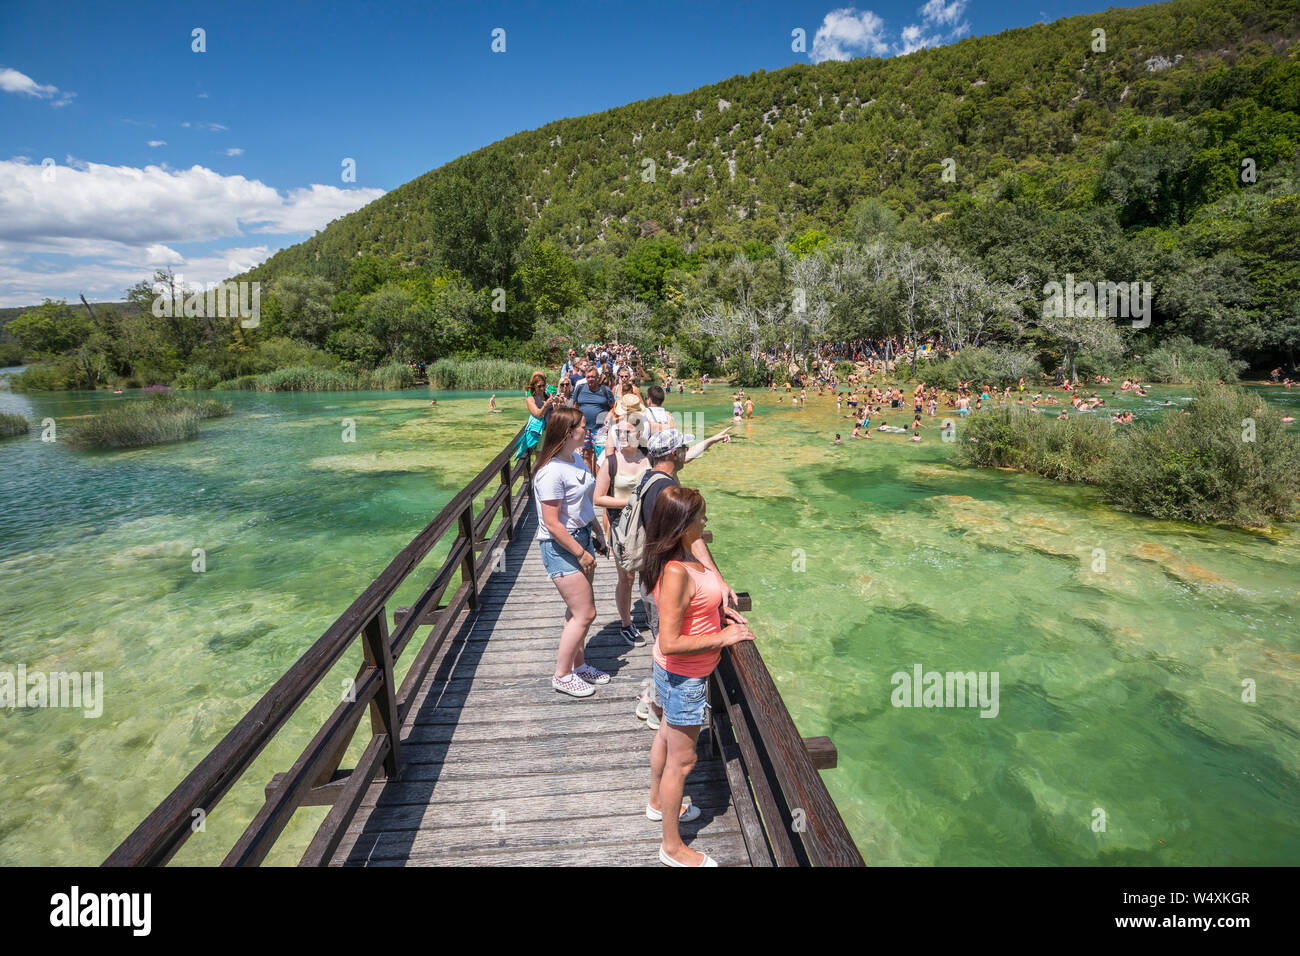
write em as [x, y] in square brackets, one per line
[209, 162]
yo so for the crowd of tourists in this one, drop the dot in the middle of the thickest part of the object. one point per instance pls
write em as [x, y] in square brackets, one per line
[602, 443]
[606, 484]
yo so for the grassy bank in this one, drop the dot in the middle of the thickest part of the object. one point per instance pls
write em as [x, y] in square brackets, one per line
[480, 374]
[157, 420]
[1229, 460]
[315, 379]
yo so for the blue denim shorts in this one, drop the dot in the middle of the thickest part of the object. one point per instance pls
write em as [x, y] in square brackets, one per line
[558, 560]
[683, 699]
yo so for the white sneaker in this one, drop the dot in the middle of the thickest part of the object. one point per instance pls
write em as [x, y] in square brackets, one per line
[573, 685]
[591, 675]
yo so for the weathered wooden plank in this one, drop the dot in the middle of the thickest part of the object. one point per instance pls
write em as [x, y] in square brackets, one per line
[482, 711]
[531, 834]
[730, 852]
[712, 798]
[576, 724]
[542, 658]
[458, 784]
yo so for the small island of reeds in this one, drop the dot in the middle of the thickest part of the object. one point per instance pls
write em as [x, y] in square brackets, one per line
[157, 419]
[13, 425]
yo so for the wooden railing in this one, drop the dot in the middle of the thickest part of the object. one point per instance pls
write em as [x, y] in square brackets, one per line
[787, 817]
[315, 778]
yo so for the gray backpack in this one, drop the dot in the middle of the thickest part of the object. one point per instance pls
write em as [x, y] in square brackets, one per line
[629, 534]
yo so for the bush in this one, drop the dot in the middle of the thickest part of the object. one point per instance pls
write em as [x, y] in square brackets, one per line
[521, 351]
[352, 345]
[304, 379]
[479, 374]
[745, 373]
[11, 425]
[844, 369]
[391, 376]
[1076, 449]
[11, 353]
[1179, 359]
[198, 376]
[981, 366]
[242, 383]
[275, 354]
[1202, 466]
[42, 378]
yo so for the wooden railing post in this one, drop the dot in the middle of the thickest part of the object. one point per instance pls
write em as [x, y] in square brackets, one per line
[506, 505]
[468, 575]
[383, 709]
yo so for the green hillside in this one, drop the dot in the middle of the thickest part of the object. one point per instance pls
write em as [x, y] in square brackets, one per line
[773, 154]
[930, 197]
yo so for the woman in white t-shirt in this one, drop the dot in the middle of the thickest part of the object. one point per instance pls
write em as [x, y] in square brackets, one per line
[566, 533]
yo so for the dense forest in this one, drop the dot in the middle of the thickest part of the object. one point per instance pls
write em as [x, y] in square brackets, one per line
[933, 194]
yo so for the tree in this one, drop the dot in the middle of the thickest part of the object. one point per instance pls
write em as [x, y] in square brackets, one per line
[549, 279]
[53, 327]
[306, 304]
[1075, 334]
[1148, 172]
[476, 223]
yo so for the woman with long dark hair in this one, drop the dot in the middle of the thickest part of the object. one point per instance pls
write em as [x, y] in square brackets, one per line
[691, 602]
[568, 537]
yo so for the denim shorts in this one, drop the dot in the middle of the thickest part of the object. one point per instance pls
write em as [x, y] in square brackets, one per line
[683, 699]
[559, 560]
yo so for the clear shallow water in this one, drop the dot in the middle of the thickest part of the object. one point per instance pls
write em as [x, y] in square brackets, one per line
[1119, 690]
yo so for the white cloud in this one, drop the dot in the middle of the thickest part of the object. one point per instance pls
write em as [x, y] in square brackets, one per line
[936, 15]
[235, 151]
[937, 12]
[203, 96]
[11, 81]
[157, 142]
[153, 204]
[212, 127]
[128, 220]
[26, 284]
[915, 38]
[846, 33]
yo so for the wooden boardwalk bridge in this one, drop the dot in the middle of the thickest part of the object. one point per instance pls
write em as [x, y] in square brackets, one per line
[475, 760]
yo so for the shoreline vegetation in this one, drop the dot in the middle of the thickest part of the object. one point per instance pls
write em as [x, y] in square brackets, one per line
[161, 418]
[13, 425]
[1226, 459]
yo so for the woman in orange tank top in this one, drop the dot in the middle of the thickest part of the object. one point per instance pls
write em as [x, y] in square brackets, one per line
[692, 615]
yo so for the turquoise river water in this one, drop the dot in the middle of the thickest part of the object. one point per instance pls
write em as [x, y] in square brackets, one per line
[1121, 643]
